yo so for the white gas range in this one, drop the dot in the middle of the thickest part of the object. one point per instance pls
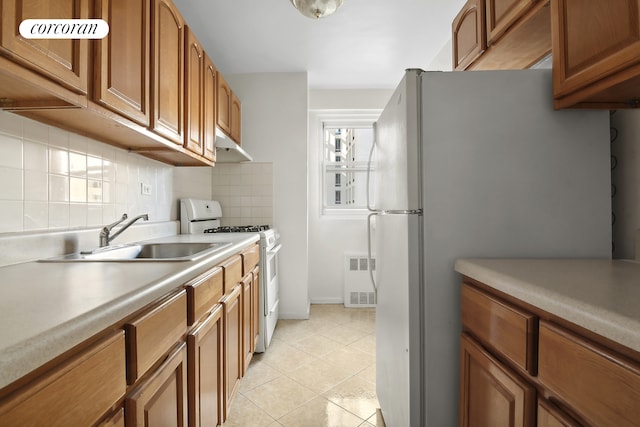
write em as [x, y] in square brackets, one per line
[203, 216]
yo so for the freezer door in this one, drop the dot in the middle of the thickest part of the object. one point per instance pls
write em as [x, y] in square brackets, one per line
[398, 318]
[397, 149]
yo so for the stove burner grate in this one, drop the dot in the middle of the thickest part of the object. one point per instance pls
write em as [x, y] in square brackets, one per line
[237, 229]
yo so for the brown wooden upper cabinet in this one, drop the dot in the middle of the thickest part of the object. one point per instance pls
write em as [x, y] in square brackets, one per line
[209, 111]
[224, 105]
[596, 53]
[229, 110]
[194, 74]
[236, 110]
[121, 68]
[468, 34]
[501, 14]
[167, 118]
[63, 60]
[501, 34]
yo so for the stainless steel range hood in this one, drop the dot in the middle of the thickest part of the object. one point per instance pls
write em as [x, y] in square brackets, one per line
[227, 151]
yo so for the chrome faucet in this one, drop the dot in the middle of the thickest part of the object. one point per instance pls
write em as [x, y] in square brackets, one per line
[105, 237]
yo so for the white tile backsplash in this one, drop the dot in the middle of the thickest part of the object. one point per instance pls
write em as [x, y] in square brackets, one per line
[36, 156]
[52, 179]
[36, 184]
[10, 151]
[11, 184]
[11, 213]
[58, 161]
[245, 192]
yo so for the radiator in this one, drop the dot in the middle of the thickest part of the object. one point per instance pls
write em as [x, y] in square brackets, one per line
[358, 290]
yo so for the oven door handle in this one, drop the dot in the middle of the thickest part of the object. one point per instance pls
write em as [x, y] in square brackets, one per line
[275, 250]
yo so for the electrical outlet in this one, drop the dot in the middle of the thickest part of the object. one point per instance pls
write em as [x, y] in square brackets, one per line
[145, 189]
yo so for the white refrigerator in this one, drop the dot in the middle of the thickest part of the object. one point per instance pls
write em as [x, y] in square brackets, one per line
[471, 164]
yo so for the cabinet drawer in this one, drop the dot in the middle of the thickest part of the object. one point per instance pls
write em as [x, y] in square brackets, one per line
[203, 294]
[510, 331]
[152, 335]
[250, 258]
[232, 268]
[490, 393]
[78, 393]
[602, 388]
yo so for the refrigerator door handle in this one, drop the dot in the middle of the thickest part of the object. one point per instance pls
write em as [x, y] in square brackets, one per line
[373, 146]
[369, 258]
[399, 212]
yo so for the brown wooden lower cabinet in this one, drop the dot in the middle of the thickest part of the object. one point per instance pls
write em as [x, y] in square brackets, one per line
[550, 416]
[233, 361]
[116, 419]
[247, 339]
[161, 399]
[154, 371]
[580, 380]
[490, 394]
[77, 393]
[255, 308]
[205, 356]
[601, 387]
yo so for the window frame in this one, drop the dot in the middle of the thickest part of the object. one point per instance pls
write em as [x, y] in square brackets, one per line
[348, 121]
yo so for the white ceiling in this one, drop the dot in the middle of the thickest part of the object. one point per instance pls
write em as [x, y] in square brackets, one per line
[365, 44]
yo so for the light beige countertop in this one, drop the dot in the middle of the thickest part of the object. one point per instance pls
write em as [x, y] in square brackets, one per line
[48, 308]
[602, 296]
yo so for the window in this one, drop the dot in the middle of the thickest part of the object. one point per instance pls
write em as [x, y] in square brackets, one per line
[346, 155]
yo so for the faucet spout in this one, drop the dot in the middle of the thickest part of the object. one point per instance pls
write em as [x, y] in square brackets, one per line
[105, 233]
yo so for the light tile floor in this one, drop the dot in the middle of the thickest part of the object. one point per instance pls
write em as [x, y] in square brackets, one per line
[318, 372]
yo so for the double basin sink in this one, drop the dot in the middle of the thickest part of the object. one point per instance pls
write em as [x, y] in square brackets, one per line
[145, 252]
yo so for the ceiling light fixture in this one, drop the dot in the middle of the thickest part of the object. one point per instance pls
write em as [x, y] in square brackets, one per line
[317, 8]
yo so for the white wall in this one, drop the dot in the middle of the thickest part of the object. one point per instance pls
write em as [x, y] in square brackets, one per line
[274, 129]
[331, 236]
[443, 61]
[625, 177]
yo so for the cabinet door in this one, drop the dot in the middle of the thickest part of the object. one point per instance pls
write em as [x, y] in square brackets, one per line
[194, 68]
[161, 399]
[468, 34]
[591, 40]
[501, 14]
[168, 71]
[550, 416]
[209, 116]
[247, 338]
[236, 119]
[63, 60]
[233, 360]
[204, 349]
[255, 308]
[490, 394]
[122, 59]
[224, 105]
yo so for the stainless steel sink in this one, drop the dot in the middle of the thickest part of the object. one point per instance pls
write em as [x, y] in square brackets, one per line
[144, 252]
